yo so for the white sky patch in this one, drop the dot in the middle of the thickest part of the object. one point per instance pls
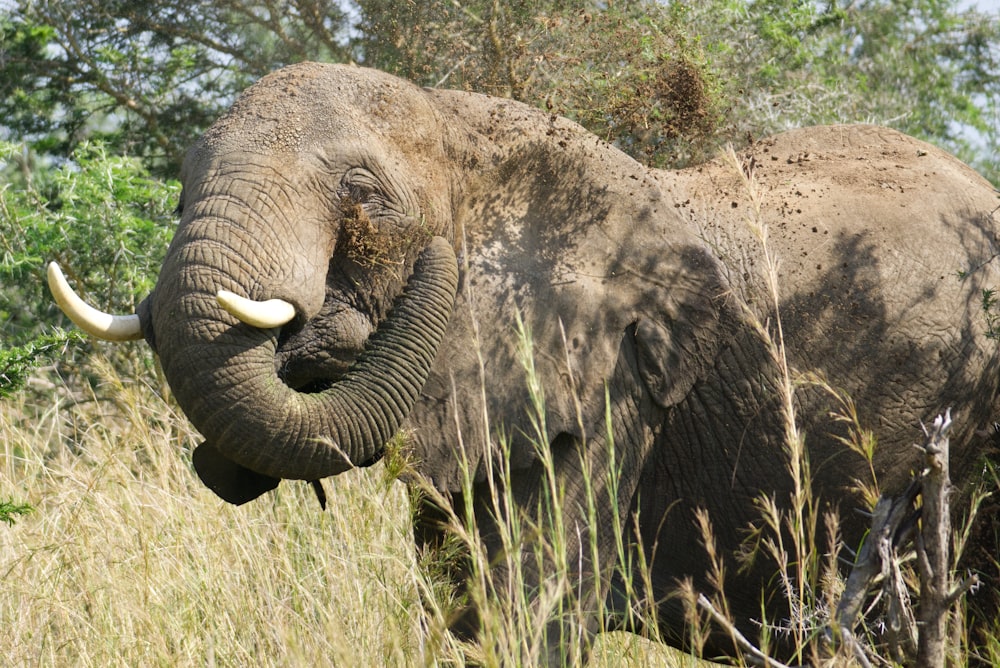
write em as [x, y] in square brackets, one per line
[992, 6]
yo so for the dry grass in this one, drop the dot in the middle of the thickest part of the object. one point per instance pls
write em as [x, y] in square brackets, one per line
[129, 560]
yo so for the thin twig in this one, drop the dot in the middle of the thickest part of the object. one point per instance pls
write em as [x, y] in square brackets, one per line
[848, 640]
[962, 588]
[755, 655]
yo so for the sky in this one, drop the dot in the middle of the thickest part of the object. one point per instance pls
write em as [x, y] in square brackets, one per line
[984, 5]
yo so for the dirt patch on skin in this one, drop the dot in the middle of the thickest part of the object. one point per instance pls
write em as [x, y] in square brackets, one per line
[361, 239]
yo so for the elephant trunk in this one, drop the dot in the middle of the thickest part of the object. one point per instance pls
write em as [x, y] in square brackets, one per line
[225, 381]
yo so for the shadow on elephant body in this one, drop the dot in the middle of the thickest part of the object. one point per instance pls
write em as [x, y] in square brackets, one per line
[844, 311]
[526, 526]
[888, 371]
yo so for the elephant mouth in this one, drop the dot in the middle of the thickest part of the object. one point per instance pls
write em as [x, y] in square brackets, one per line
[314, 387]
[311, 372]
[313, 356]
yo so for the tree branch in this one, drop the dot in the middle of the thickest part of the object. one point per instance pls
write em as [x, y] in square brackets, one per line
[921, 641]
[755, 655]
[933, 542]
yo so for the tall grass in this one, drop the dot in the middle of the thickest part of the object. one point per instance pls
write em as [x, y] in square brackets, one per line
[804, 542]
[129, 560]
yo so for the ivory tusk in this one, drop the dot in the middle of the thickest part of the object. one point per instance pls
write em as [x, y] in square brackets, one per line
[96, 323]
[268, 314]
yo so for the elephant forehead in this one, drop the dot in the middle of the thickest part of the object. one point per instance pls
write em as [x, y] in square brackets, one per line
[298, 107]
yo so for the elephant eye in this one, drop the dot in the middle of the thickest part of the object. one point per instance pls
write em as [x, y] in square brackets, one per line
[361, 194]
[377, 195]
[360, 186]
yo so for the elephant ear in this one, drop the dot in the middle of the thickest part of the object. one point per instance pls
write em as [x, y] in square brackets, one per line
[232, 482]
[678, 342]
[660, 362]
[583, 245]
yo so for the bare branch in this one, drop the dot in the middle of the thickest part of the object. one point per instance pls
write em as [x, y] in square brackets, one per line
[933, 543]
[890, 514]
[755, 655]
[923, 640]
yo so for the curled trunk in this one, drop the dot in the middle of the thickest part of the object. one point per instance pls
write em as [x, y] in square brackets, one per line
[226, 383]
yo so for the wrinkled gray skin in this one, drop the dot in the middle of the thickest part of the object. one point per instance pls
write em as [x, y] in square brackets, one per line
[640, 281]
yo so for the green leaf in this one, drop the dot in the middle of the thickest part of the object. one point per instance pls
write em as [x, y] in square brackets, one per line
[9, 510]
[17, 362]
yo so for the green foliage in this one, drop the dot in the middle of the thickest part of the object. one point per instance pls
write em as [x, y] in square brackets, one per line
[100, 216]
[921, 66]
[107, 224]
[626, 71]
[146, 77]
[17, 362]
[25, 110]
[9, 510]
[989, 307]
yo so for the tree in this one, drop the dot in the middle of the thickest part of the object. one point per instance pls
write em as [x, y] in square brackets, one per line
[101, 217]
[921, 66]
[626, 70]
[147, 78]
[656, 77]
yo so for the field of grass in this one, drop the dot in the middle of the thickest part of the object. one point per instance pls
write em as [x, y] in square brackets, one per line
[128, 560]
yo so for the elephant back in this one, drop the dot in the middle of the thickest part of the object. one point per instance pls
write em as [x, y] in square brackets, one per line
[885, 247]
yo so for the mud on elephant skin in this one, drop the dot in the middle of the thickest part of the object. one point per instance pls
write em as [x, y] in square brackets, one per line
[401, 232]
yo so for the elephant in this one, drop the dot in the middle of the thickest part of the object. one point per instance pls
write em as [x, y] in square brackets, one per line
[358, 256]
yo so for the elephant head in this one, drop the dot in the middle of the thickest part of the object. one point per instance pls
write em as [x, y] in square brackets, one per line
[283, 287]
[314, 196]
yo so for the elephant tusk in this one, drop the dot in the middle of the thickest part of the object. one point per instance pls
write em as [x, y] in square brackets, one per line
[96, 323]
[268, 314]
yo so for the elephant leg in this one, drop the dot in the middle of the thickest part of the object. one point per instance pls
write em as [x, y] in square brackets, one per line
[445, 560]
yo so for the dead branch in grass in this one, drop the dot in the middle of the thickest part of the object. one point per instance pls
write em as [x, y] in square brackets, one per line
[923, 640]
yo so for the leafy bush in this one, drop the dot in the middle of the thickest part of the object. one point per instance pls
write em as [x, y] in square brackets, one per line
[658, 77]
[924, 67]
[107, 224]
[627, 72]
[17, 362]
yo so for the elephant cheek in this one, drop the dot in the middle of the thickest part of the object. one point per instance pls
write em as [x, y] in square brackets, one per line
[671, 358]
